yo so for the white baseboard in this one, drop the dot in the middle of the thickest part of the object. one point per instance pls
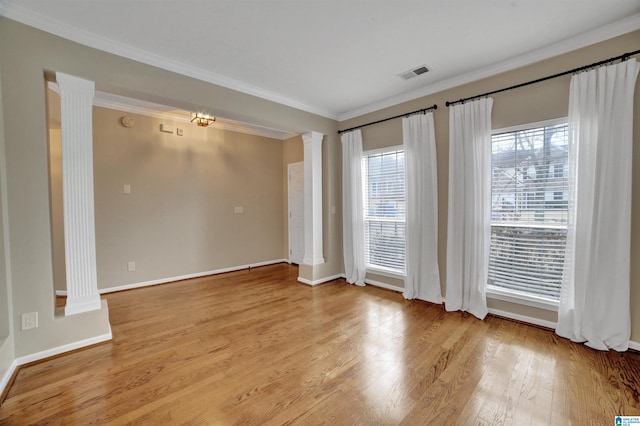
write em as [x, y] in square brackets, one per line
[548, 324]
[181, 277]
[4, 382]
[49, 353]
[64, 348]
[367, 281]
[523, 318]
[321, 280]
[384, 285]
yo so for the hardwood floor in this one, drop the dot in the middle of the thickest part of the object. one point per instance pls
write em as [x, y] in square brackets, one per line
[256, 347]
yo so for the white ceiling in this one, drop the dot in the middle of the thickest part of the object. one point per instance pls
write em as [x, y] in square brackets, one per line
[336, 58]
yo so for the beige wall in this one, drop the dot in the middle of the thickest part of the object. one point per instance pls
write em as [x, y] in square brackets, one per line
[27, 56]
[537, 102]
[179, 218]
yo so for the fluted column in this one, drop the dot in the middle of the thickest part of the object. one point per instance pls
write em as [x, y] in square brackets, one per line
[76, 102]
[312, 198]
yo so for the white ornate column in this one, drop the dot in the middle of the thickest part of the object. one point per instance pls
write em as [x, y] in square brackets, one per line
[76, 102]
[312, 198]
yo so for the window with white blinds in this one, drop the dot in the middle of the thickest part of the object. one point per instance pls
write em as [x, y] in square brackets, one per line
[384, 210]
[529, 188]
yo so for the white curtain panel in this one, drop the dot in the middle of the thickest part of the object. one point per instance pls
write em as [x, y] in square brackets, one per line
[423, 277]
[469, 218]
[352, 207]
[595, 301]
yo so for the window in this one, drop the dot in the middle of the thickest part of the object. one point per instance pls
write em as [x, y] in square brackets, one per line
[529, 211]
[384, 210]
[558, 171]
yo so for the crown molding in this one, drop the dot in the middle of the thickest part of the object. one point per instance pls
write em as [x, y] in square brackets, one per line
[615, 29]
[164, 112]
[252, 129]
[58, 28]
[86, 38]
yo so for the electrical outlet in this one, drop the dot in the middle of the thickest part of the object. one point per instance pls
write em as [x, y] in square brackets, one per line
[131, 266]
[29, 320]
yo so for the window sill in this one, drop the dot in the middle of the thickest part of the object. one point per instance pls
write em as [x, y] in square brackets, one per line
[521, 299]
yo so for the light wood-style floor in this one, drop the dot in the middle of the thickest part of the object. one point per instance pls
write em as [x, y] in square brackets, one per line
[256, 347]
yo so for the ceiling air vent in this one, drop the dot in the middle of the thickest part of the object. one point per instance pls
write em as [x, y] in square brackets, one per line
[414, 72]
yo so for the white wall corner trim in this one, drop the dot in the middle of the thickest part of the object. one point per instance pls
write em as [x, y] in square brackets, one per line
[634, 345]
[615, 29]
[320, 280]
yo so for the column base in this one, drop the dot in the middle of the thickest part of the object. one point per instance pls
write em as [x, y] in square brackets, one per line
[313, 261]
[82, 304]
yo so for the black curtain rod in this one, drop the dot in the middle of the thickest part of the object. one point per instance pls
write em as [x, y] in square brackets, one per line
[622, 57]
[420, 111]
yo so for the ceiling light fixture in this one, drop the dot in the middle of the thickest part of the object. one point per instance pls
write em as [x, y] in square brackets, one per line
[202, 120]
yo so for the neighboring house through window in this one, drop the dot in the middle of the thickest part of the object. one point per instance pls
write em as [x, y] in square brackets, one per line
[529, 212]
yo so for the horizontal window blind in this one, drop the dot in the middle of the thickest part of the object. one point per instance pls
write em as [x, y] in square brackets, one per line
[529, 196]
[384, 210]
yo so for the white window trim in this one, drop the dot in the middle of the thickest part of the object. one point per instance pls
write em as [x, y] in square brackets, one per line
[374, 269]
[386, 150]
[514, 296]
[527, 126]
[378, 270]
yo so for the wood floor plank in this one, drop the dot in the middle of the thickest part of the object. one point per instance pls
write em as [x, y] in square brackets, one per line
[257, 347]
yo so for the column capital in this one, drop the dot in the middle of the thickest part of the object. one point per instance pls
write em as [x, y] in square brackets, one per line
[80, 86]
[311, 137]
